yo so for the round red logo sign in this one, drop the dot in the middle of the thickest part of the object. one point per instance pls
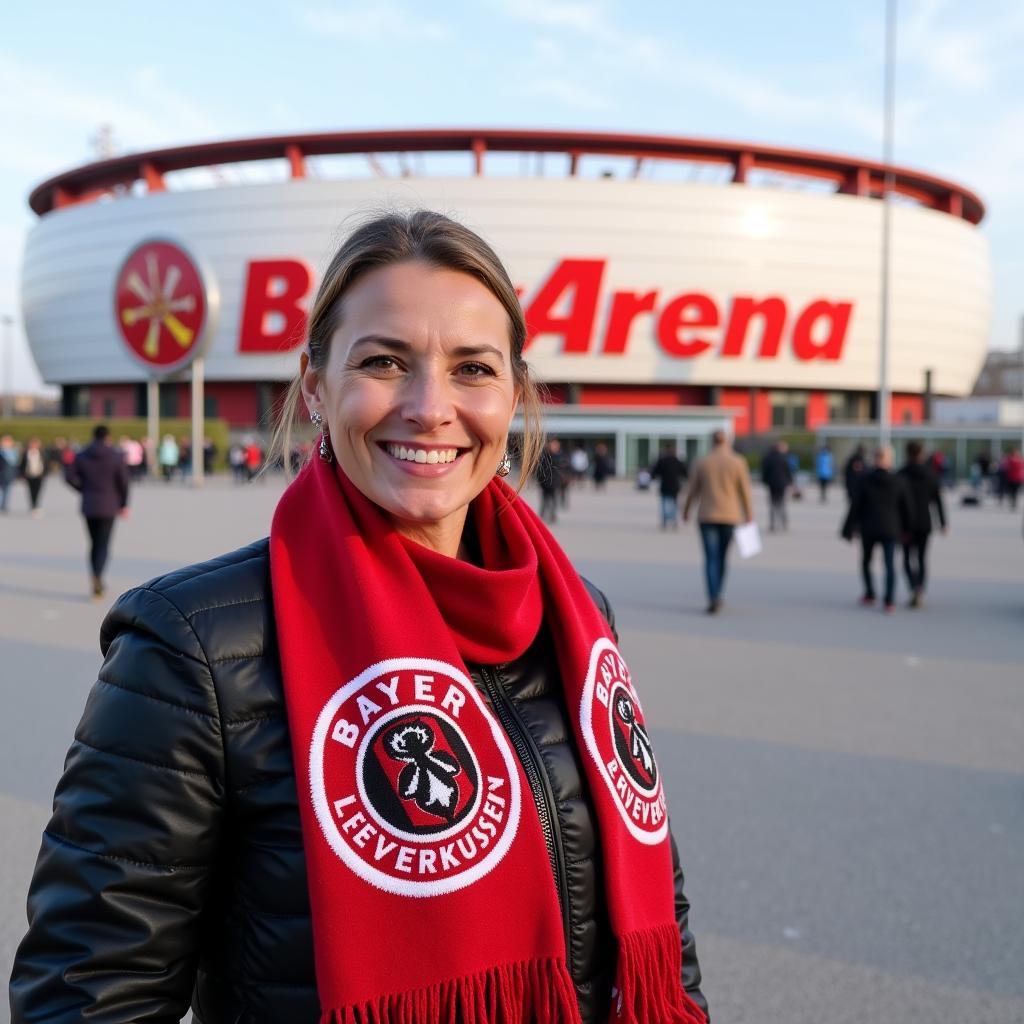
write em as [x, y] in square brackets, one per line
[160, 304]
[615, 733]
[414, 784]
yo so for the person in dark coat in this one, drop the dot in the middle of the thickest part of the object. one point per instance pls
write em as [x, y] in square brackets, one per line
[777, 475]
[880, 513]
[923, 493]
[550, 478]
[854, 470]
[670, 471]
[100, 474]
[603, 466]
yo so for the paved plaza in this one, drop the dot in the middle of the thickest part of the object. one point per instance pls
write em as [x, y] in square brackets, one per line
[847, 788]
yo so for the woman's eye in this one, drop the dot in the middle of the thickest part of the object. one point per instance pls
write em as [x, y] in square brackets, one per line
[476, 370]
[378, 363]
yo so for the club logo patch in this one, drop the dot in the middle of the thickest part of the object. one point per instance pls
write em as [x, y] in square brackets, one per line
[615, 733]
[414, 785]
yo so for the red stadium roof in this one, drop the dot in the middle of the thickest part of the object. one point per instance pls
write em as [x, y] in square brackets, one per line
[850, 175]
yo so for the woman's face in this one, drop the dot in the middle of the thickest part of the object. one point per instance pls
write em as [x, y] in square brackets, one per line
[418, 395]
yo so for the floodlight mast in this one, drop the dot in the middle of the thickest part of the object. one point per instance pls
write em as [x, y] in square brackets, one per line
[884, 399]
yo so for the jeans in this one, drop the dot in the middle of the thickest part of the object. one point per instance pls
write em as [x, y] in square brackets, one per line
[669, 509]
[100, 530]
[549, 506]
[889, 554]
[716, 538]
[914, 563]
[777, 510]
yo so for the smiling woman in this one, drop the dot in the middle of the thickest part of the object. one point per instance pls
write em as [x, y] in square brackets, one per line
[389, 765]
[418, 393]
[409, 249]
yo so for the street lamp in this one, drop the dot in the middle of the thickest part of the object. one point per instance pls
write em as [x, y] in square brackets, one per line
[884, 417]
[8, 323]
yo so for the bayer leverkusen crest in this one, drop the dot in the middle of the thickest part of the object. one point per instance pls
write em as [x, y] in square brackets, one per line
[414, 784]
[615, 733]
[160, 302]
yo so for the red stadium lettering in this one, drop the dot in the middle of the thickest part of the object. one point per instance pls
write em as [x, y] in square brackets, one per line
[773, 319]
[580, 278]
[835, 317]
[626, 307]
[273, 319]
[679, 318]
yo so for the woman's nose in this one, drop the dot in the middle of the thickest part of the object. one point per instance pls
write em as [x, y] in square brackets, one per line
[427, 400]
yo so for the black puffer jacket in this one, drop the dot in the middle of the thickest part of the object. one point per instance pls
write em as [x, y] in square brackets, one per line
[880, 509]
[172, 868]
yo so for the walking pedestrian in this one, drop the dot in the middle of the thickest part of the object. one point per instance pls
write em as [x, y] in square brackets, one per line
[854, 470]
[603, 466]
[923, 493]
[168, 457]
[101, 476]
[253, 459]
[236, 459]
[32, 470]
[579, 463]
[777, 475]
[1012, 467]
[720, 487]
[8, 468]
[670, 471]
[824, 470]
[134, 457]
[880, 514]
[549, 474]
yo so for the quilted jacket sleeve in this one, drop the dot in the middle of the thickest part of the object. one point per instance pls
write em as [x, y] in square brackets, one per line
[124, 872]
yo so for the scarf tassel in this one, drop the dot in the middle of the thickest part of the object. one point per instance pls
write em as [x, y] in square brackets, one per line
[648, 986]
[528, 992]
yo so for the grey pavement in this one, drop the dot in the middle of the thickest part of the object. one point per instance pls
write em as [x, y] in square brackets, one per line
[847, 788]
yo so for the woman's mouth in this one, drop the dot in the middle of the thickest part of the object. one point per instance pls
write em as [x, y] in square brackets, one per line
[429, 456]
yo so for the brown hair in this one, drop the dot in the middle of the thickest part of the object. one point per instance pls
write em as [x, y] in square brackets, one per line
[441, 242]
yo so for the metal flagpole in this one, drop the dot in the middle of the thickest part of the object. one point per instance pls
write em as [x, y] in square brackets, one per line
[198, 422]
[153, 425]
[884, 411]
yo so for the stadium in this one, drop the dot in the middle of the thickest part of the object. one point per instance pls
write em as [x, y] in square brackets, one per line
[671, 285]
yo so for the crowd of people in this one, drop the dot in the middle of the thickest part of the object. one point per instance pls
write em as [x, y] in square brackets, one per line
[888, 511]
[557, 471]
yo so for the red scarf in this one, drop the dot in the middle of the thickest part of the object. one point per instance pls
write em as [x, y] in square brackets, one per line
[430, 884]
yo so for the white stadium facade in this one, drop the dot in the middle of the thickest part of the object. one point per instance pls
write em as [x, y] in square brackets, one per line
[670, 284]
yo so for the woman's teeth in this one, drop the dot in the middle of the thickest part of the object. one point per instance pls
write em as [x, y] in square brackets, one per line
[431, 456]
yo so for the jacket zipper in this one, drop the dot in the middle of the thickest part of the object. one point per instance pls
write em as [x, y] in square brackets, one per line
[529, 757]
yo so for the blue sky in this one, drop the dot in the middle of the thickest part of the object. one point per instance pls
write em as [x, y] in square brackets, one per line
[800, 73]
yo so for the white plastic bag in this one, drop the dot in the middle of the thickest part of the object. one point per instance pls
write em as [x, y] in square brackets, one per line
[748, 539]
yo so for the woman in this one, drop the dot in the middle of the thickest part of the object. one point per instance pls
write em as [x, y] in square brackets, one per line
[468, 823]
[33, 472]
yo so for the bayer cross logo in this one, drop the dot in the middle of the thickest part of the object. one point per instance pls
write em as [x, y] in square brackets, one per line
[419, 774]
[615, 734]
[632, 744]
[414, 784]
[160, 305]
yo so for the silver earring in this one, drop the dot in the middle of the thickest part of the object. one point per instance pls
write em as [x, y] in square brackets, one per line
[325, 444]
[505, 466]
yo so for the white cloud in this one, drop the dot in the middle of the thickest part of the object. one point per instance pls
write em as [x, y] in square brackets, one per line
[588, 17]
[570, 94]
[957, 47]
[39, 105]
[378, 21]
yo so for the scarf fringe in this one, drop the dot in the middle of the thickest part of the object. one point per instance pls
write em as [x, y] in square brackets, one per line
[528, 992]
[648, 986]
